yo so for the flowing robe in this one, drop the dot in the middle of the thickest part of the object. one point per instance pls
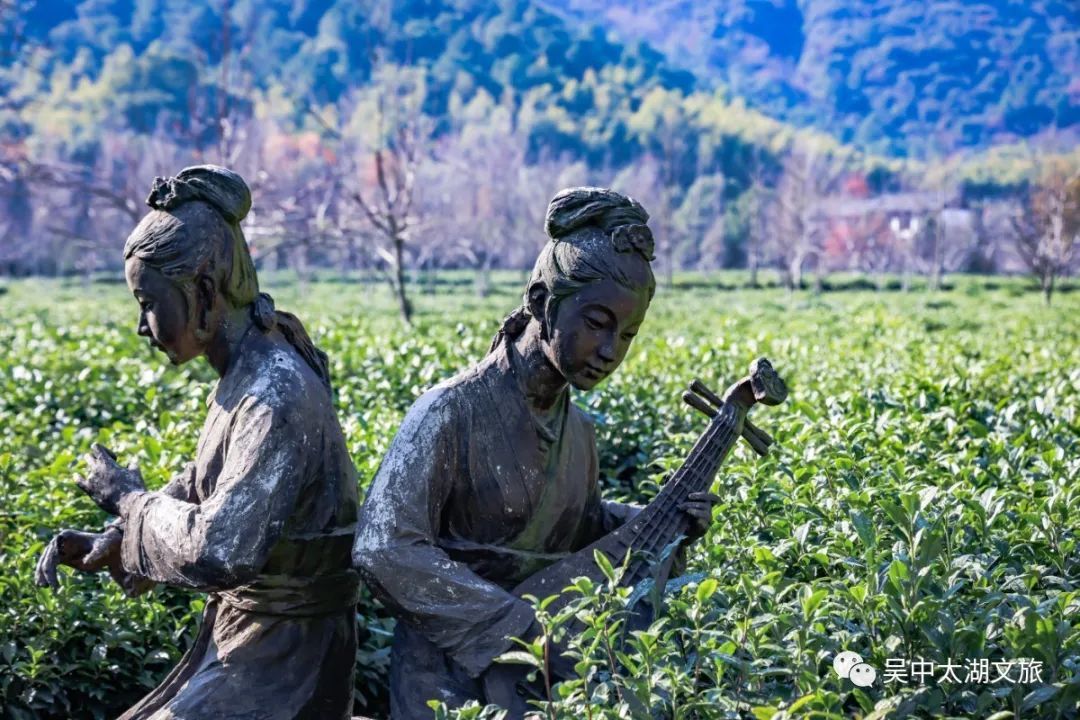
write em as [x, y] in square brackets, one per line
[472, 497]
[263, 520]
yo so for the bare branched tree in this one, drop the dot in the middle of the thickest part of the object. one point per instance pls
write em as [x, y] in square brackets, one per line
[382, 138]
[1047, 228]
[389, 208]
[760, 200]
[797, 236]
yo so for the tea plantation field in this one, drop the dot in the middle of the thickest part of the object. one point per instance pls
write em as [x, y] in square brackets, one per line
[921, 507]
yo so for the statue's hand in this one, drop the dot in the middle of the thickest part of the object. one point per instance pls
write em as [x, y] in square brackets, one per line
[88, 552]
[106, 482]
[698, 507]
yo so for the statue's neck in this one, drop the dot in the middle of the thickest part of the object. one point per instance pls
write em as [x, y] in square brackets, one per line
[224, 347]
[539, 379]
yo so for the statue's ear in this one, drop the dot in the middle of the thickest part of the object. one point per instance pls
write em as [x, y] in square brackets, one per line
[538, 298]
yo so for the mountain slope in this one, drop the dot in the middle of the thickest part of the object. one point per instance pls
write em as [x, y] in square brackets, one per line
[890, 75]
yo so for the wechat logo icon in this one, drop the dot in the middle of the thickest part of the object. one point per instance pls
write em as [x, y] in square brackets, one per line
[850, 665]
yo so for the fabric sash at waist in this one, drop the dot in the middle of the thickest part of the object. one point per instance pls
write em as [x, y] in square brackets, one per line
[306, 590]
[298, 597]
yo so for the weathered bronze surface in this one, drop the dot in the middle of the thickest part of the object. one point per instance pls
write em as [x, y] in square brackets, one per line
[493, 474]
[263, 519]
[661, 523]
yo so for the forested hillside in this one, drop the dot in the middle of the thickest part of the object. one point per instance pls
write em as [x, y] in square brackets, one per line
[150, 62]
[102, 94]
[893, 76]
[923, 77]
[733, 122]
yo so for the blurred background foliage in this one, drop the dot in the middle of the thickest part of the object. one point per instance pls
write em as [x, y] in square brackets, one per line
[744, 126]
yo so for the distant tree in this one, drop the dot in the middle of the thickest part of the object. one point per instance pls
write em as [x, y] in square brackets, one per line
[389, 207]
[382, 137]
[663, 128]
[934, 237]
[759, 199]
[698, 224]
[797, 236]
[905, 234]
[1047, 228]
[83, 211]
[865, 241]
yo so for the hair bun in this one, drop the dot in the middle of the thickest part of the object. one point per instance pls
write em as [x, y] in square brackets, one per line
[212, 184]
[575, 208]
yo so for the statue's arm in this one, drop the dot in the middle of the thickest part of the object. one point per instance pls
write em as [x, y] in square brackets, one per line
[180, 487]
[224, 541]
[396, 550]
[92, 552]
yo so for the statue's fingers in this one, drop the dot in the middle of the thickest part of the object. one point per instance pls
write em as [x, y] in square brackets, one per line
[103, 452]
[99, 461]
[50, 574]
[701, 511]
[39, 567]
[46, 576]
[96, 556]
[105, 544]
[83, 484]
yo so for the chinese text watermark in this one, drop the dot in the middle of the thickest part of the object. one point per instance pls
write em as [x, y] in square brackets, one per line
[917, 671]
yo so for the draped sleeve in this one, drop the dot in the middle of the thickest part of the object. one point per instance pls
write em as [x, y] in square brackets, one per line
[396, 548]
[223, 541]
[182, 486]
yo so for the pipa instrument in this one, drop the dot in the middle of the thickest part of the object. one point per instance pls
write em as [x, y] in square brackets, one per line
[661, 522]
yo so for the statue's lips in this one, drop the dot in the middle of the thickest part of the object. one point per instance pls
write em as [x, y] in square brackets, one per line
[595, 373]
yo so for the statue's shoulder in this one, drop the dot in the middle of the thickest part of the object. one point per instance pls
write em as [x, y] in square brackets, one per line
[450, 394]
[273, 375]
[453, 400]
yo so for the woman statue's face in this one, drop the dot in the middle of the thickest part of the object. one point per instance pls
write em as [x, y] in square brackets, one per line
[164, 315]
[593, 329]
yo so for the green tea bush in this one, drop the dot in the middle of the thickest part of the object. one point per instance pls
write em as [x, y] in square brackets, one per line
[921, 502]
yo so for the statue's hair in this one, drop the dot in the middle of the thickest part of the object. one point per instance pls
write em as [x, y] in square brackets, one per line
[194, 230]
[595, 234]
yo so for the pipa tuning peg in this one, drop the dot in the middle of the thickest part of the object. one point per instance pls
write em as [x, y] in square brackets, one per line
[698, 404]
[703, 390]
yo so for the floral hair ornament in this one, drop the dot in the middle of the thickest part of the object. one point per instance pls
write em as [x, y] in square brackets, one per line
[634, 238]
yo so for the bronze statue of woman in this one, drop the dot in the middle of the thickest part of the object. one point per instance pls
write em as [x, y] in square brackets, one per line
[263, 519]
[493, 474]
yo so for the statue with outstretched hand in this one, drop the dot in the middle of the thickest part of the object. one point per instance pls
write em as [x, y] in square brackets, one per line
[263, 518]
